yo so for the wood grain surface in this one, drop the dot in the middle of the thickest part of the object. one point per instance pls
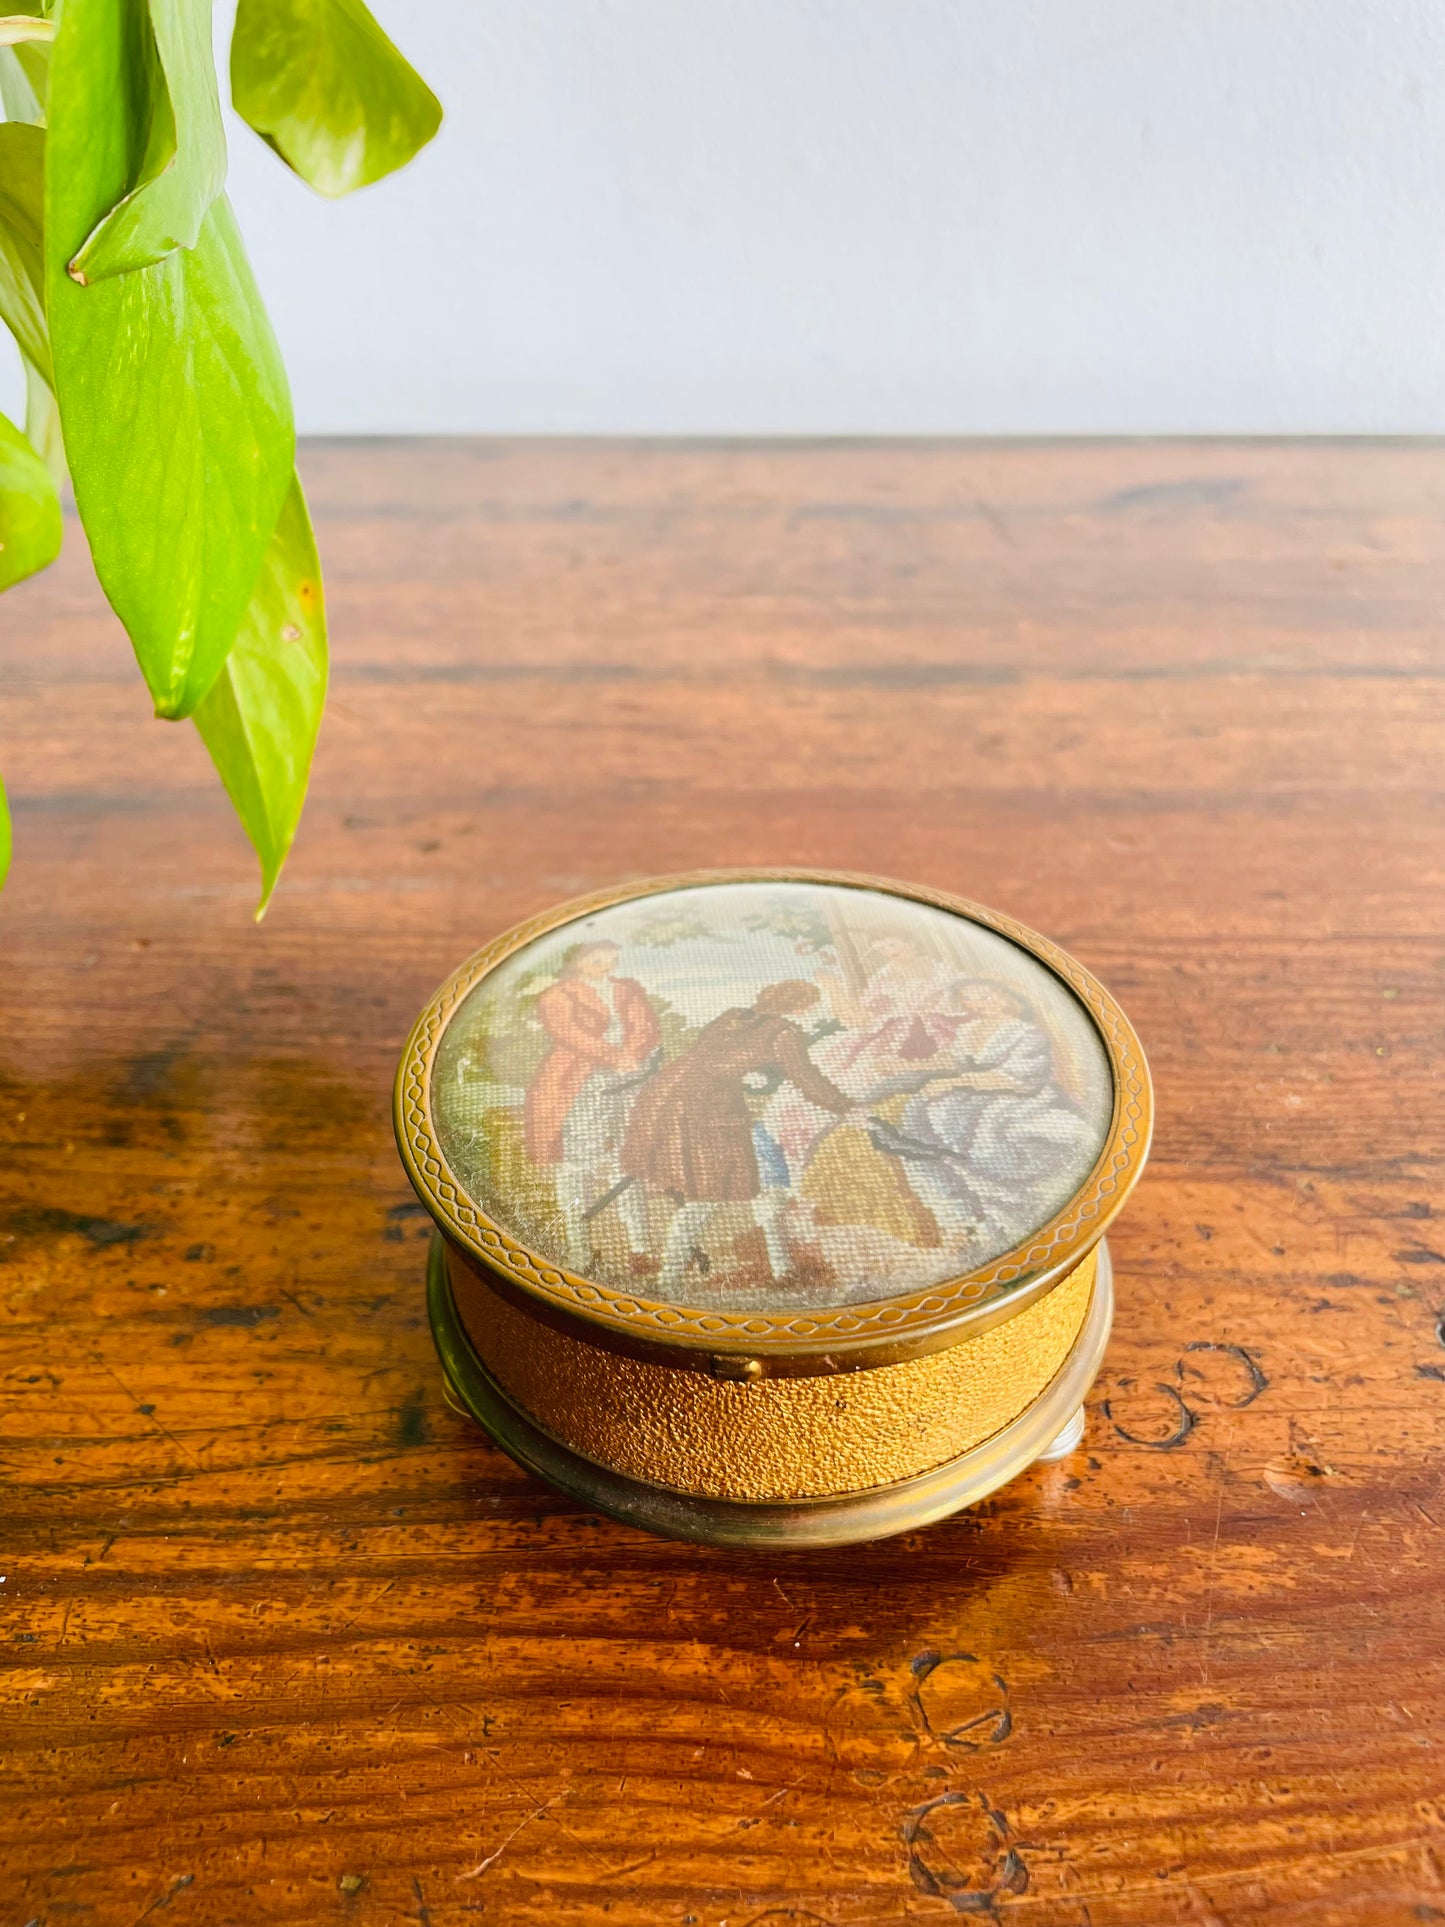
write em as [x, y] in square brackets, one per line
[284, 1640]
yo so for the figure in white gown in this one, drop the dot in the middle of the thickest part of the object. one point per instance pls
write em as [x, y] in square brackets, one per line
[997, 1145]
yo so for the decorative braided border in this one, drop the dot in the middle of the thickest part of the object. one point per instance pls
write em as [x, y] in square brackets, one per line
[1056, 1246]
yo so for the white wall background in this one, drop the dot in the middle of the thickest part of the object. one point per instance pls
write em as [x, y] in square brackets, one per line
[859, 216]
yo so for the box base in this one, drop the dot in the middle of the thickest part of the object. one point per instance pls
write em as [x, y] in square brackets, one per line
[1048, 1429]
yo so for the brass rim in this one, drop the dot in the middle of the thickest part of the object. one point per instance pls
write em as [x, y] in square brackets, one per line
[921, 1320]
[784, 1524]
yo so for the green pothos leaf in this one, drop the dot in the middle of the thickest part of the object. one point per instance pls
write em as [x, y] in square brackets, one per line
[173, 399]
[321, 83]
[22, 216]
[260, 717]
[25, 60]
[29, 509]
[16, 27]
[19, 98]
[182, 166]
[42, 425]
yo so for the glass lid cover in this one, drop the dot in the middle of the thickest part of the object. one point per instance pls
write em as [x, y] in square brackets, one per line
[770, 1096]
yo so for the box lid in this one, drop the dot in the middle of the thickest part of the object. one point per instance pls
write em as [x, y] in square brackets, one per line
[796, 1120]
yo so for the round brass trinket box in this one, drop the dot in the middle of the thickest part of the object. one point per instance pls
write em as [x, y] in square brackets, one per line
[770, 1205]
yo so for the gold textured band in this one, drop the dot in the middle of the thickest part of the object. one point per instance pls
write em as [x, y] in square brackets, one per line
[775, 1438]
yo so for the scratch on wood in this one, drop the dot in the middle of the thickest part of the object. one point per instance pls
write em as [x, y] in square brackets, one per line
[492, 1858]
[178, 1885]
[145, 1410]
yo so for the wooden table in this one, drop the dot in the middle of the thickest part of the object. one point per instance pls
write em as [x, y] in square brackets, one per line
[285, 1640]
